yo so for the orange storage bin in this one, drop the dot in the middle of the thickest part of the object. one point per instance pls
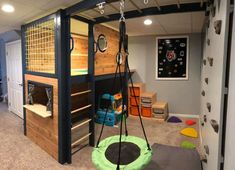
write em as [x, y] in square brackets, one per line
[133, 102]
[146, 111]
[134, 111]
[136, 91]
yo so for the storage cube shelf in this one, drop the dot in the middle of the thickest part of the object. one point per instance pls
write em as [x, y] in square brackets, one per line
[160, 110]
[136, 91]
[147, 100]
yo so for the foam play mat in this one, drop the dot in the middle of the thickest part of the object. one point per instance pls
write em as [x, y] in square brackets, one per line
[190, 132]
[174, 119]
[190, 122]
[187, 145]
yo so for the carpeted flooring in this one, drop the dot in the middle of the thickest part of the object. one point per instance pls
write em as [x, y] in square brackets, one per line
[19, 153]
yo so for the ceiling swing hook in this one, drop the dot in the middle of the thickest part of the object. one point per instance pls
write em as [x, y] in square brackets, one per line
[101, 7]
[122, 6]
[146, 2]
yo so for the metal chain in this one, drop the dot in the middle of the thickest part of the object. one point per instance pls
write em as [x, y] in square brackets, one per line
[122, 6]
[146, 2]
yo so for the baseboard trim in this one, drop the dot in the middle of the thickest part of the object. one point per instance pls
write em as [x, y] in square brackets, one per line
[184, 115]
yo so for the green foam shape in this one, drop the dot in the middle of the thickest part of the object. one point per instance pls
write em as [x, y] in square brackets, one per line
[187, 145]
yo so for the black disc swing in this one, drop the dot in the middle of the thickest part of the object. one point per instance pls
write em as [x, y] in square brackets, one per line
[122, 151]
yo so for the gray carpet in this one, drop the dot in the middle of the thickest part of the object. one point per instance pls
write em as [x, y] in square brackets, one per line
[18, 152]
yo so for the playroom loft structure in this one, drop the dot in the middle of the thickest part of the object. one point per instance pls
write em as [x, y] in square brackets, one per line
[60, 71]
[48, 59]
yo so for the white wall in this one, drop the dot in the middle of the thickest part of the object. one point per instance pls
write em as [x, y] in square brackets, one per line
[182, 96]
[214, 90]
[229, 163]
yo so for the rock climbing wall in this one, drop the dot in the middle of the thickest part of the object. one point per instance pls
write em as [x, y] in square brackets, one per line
[213, 82]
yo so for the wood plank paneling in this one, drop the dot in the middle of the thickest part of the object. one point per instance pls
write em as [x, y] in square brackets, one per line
[105, 63]
[79, 55]
[44, 131]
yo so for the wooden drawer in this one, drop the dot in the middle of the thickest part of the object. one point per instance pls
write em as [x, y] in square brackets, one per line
[146, 111]
[133, 111]
[136, 91]
[133, 102]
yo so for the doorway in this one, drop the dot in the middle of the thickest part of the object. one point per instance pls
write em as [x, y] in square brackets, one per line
[14, 77]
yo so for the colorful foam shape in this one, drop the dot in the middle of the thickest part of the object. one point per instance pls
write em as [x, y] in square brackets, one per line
[187, 145]
[190, 122]
[174, 119]
[190, 132]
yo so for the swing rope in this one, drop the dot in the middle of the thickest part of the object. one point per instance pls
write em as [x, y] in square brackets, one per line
[123, 44]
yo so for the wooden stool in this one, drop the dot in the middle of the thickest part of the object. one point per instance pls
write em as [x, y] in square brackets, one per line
[160, 110]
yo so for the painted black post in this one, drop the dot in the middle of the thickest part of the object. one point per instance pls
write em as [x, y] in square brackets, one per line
[91, 66]
[23, 43]
[63, 69]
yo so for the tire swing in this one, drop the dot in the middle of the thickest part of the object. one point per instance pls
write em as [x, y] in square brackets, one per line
[122, 151]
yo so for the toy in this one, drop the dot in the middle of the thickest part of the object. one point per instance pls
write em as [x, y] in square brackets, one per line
[190, 122]
[114, 104]
[187, 145]
[190, 132]
[174, 119]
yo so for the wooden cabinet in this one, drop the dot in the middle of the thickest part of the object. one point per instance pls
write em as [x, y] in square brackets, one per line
[135, 91]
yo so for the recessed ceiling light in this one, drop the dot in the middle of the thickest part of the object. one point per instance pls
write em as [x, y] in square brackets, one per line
[8, 8]
[148, 22]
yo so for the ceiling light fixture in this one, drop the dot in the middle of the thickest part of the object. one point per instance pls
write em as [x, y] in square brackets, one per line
[148, 22]
[8, 8]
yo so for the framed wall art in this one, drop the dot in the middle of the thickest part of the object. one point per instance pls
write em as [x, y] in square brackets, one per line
[172, 58]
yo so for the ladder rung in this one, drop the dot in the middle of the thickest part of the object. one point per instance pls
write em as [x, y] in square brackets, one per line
[80, 109]
[80, 140]
[80, 124]
[80, 93]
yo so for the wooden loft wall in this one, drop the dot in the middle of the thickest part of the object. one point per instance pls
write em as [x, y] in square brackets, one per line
[79, 56]
[105, 63]
[44, 131]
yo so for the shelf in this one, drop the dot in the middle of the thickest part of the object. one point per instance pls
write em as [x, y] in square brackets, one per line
[80, 123]
[80, 109]
[80, 140]
[80, 93]
[80, 55]
[109, 76]
[39, 109]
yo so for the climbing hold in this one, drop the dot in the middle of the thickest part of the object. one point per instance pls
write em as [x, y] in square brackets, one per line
[205, 118]
[174, 119]
[208, 105]
[210, 60]
[206, 80]
[215, 125]
[206, 147]
[217, 26]
[187, 145]
[208, 41]
[204, 62]
[203, 93]
[190, 132]
[190, 122]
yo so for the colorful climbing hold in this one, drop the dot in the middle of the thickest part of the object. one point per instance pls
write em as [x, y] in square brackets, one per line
[190, 122]
[190, 132]
[187, 145]
[174, 119]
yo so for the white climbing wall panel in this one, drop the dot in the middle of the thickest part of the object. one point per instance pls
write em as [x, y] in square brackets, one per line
[215, 48]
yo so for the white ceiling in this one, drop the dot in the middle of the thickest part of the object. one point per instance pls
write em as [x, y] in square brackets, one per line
[26, 10]
[180, 23]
